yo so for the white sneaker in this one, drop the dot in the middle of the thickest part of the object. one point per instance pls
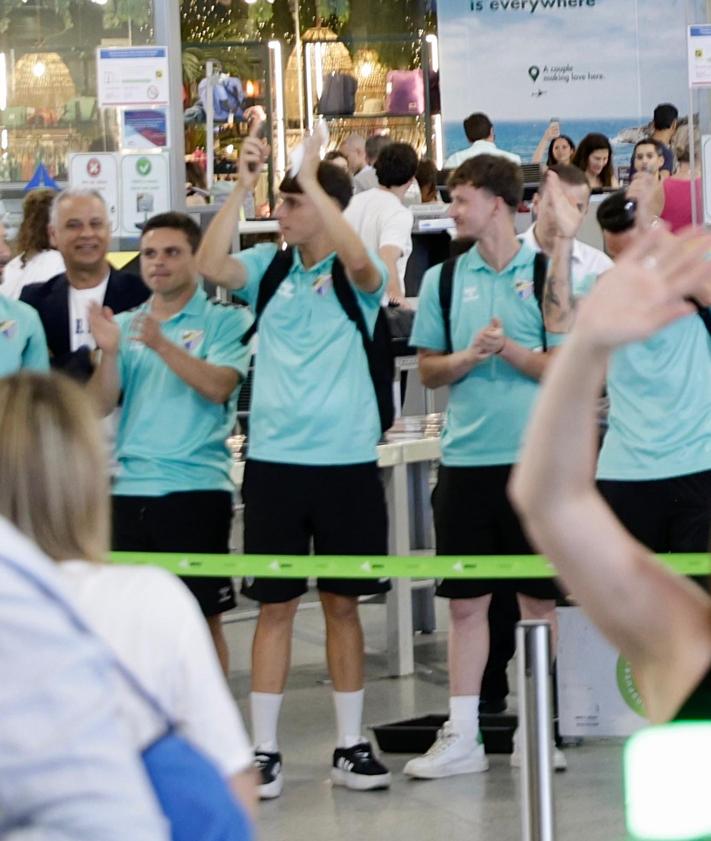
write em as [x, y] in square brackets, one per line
[560, 763]
[452, 753]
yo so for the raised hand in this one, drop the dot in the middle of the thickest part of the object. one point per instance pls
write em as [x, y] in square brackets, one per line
[488, 341]
[568, 217]
[311, 160]
[648, 288]
[104, 329]
[253, 154]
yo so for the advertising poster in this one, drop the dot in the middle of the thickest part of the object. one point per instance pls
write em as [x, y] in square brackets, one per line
[144, 129]
[593, 65]
[98, 171]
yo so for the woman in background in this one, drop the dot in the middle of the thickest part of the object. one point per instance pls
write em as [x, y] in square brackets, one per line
[37, 261]
[560, 148]
[594, 157]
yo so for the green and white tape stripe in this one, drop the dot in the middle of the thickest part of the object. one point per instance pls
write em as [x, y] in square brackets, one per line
[386, 566]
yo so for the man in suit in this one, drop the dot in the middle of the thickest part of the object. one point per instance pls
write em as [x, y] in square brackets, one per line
[80, 229]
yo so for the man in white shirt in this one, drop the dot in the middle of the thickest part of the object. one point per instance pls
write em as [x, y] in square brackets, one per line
[586, 262]
[380, 218]
[480, 132]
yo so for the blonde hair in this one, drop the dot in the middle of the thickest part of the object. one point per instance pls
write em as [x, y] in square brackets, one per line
[53, 477]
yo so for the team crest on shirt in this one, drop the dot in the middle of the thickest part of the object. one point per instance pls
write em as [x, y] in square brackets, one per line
[524, 288]
[192, 338]
[8, 329]
[322, 284]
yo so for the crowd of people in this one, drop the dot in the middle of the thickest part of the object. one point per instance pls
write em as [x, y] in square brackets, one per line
[162, 365]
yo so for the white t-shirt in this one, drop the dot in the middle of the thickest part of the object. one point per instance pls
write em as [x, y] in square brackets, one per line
[381, 219]
[154, 626]
[39, 269]
[479, 147]
[79, 300]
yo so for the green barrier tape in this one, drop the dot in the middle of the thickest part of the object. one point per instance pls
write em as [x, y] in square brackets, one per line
[362, 566]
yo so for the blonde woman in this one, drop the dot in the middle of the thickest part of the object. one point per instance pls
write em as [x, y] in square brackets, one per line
[54, 489]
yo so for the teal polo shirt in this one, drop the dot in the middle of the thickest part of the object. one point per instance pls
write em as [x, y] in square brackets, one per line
[22, 340]
[169, 437]
[488, 409]
[313, 401]
[660, 406]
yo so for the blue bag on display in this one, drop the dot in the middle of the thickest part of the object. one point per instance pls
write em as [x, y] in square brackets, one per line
[193, 795]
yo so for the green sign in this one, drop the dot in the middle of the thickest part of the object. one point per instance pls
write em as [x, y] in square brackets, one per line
[143, 166]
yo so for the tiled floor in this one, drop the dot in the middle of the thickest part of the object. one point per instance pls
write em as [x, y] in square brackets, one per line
[465, 808]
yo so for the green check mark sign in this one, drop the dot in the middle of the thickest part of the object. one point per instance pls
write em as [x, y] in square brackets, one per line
[143, 166]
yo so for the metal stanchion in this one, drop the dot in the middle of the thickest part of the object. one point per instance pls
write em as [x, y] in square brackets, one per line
[535, 730]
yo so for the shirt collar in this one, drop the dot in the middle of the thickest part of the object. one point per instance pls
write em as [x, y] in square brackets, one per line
[194, 306]
[325, 264]
[475, 262]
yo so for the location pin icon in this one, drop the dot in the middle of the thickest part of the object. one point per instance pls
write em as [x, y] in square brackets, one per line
[534, 72]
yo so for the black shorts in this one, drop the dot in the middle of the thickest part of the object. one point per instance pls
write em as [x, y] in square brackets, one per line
[287, 506]
[189, 521]
[667, 515]
[473, 516]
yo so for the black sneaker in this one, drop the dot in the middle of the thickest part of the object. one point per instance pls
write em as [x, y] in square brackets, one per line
[357, 768]
[271, 780]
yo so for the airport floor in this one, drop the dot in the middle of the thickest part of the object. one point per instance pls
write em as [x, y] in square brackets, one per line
[480, 807]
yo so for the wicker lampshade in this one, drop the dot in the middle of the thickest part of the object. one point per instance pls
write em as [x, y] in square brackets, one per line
[372, 77]
[42, 80]
[335, 59]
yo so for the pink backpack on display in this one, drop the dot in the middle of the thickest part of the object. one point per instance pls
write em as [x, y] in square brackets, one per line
[405, 92]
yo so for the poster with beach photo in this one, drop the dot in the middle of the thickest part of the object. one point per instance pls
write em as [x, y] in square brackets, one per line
[595, 65]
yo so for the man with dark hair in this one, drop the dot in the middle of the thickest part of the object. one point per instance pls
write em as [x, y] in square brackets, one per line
[664, 125]
[480, 133]
[380, 218]
[311, 474]
[175, 365]
[585, 261]
[366, 179]
[490, 354]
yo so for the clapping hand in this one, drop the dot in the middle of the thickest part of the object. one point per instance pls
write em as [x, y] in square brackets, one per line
[568, 216]
[104, 329]
[146, 330]
[489, 341]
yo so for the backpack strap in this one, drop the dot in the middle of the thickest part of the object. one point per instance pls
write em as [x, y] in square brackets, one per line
[446, 284]
[540, 268]
[276, 271]
[349, 303]
[704, 315]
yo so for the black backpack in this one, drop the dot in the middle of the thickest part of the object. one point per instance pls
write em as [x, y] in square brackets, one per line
[446, 282]
[378, 349]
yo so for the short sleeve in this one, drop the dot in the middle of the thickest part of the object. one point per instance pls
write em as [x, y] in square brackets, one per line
[226, 348]
[397, 231]
[428, 330]
[35, 355]
[255, 261]
[585, 285]
[555, 339]
[371, 300]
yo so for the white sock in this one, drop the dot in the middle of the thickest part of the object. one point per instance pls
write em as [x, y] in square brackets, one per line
[464, 714]
[349, 717]
[265, 707]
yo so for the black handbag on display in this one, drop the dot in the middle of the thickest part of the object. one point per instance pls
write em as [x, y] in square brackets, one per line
[339, 95]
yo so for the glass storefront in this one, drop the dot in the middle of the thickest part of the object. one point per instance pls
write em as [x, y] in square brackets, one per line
[48, 104]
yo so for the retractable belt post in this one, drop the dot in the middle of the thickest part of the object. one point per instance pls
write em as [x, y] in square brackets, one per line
[535, 730]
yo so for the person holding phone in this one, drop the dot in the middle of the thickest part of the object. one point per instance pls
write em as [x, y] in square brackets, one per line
[558, 148]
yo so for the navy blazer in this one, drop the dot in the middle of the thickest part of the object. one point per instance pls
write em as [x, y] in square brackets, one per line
[124, 291]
